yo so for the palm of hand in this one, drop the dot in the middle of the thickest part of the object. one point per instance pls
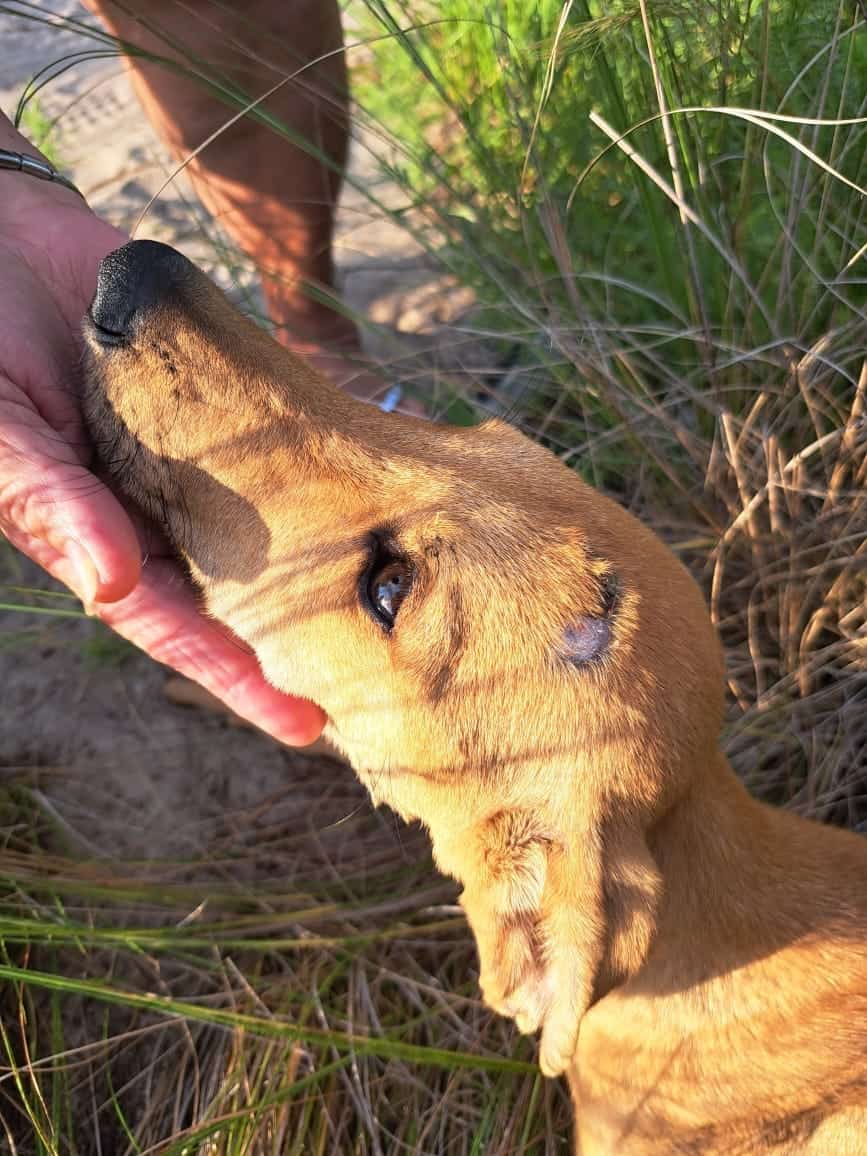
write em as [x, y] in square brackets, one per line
[51, 507]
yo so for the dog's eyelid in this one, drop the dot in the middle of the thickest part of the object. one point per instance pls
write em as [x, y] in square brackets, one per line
[383, 542]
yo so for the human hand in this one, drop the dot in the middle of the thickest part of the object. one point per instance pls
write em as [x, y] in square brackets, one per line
[52, 507]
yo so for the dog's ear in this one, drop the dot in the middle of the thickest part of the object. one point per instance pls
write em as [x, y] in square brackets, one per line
[559, 917]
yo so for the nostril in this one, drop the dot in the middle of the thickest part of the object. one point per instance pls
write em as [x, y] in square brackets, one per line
[131, 283]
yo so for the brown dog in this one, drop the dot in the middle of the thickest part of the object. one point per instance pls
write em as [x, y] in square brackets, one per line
[511, 658]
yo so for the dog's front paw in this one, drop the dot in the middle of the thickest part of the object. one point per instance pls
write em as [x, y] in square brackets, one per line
[509, 953]
[541, 1003]
[560, 1026]
[528, 1005]
[512, 968]
[502, 900]
[527, 977]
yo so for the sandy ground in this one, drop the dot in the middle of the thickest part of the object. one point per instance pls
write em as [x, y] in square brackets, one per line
[120, 770]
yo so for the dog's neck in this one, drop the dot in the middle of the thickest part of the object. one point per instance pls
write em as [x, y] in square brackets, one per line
[756, 952]
[741, 879]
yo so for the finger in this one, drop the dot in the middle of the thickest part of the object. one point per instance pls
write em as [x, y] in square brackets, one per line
[162, 617]
[70, 523]
[64, 518]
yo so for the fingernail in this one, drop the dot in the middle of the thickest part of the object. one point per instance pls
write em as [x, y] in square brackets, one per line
[85, 582]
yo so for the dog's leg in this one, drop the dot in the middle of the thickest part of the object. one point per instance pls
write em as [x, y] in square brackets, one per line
[570, 926]
[275, 199]
[535, 905]
[574, 932]
[504, 881]
[599, 905]
[633, 886]
[549, 913]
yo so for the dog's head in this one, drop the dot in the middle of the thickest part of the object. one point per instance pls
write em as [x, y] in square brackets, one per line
[469, 614]
[502, 652]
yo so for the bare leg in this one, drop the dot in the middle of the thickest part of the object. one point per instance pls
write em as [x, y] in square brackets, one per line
[275, 200]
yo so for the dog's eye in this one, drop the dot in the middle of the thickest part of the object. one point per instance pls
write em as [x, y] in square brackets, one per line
[387, 587]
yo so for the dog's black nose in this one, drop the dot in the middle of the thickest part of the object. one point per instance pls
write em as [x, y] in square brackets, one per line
[131, 282]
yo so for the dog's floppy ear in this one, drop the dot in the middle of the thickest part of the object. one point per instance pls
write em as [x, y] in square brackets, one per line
[560, 915]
